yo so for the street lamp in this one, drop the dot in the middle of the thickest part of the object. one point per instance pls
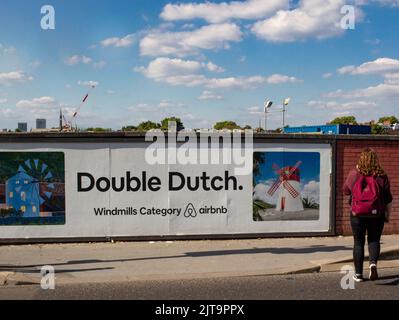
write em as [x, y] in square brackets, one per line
[267, 105]
[286, 101]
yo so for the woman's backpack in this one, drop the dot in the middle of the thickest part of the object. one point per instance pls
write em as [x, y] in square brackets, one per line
[366, 197]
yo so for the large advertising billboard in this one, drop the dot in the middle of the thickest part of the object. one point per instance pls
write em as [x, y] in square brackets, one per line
[85, 190]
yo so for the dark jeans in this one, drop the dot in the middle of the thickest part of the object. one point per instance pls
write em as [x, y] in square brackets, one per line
[374, 227]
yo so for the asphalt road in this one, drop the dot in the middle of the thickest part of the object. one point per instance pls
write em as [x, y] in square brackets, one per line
[302, 286]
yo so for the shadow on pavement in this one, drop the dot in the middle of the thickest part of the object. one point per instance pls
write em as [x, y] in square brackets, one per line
[392, 283]
[304, 250]
[32, 269]
[311, 249]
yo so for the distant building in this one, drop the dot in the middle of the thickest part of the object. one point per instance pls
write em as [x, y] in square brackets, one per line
[40, 123]
[23, 126]
[331, 129]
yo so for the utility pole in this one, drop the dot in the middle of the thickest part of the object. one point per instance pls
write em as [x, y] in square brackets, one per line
[286, 101]
[267, 105]
[60, 119]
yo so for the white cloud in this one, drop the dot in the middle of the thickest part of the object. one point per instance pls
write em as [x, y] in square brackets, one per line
[261, 189]
[213, 67]
[185, 43]
[391, 78]
[209, 95]
[311, 190]
[327, 75]
[380, 91]
[255, 110]
[36, 102]
[157, 107]
[7, 50]
[100, 64]
[378, 66]
[386, 67]
[187, 26]
[343, 106]
[165, 104]
[224, 11]
[317, 19]
[88, 83]
[77, 59]
[278, 79]
[392, 3]
[186, 73]
[8, 78]
[3, 100]
[35, 64]
[124, 42]
[163, 68]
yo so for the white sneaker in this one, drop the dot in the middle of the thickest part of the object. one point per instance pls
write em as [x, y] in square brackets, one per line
[373, 275]
[358, 277]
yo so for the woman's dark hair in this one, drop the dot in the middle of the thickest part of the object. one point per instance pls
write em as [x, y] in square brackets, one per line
[368, 163]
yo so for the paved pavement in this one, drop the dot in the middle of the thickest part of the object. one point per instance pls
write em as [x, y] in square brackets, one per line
[172, 260]
[298, 286]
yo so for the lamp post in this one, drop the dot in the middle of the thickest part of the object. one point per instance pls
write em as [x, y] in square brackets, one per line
[267, 105]
[286, 101]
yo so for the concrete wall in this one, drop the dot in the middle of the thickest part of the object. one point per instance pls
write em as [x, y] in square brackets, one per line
[347, 153]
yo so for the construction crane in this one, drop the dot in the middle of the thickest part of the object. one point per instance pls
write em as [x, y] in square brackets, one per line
[67, 125]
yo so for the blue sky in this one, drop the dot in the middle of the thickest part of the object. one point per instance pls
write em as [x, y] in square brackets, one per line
[309, 168]
[201, 61]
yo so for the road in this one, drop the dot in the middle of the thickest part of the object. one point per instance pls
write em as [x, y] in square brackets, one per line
[300, 286]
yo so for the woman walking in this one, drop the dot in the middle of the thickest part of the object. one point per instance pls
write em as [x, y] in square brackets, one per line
[371, 198]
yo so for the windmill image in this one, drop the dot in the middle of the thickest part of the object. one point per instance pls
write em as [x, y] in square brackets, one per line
[288, 187]
[23, 189]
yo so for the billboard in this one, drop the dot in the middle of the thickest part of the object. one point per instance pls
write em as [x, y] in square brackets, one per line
[85, 190]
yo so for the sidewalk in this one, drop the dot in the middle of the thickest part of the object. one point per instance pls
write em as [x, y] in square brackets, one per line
[124, 261]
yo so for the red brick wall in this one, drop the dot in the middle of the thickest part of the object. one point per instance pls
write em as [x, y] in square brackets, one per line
[347, 154]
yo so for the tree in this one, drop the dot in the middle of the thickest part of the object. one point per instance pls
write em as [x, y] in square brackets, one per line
[147, 125]
[230, 125]
[377, 129]
[247, 127]
[98, 129]
[389, 119]
[179, 123]
[344, 120]
[129, 128]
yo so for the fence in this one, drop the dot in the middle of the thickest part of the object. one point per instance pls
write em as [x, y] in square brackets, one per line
[99, 186]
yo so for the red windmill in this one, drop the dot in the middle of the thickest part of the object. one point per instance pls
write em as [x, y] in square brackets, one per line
[288, 183]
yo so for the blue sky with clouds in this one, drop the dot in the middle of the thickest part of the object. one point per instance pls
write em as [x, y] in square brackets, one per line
[308, 170]
[201, 61]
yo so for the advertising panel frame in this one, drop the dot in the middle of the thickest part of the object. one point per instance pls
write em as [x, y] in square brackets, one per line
[125, 138]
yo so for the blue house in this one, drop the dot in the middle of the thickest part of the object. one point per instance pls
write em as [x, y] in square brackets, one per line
[23, 193]
[331, 129]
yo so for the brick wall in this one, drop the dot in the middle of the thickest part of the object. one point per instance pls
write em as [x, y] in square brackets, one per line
[347, 154]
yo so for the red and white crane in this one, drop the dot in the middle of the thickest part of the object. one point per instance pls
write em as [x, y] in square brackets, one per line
[67, 125]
